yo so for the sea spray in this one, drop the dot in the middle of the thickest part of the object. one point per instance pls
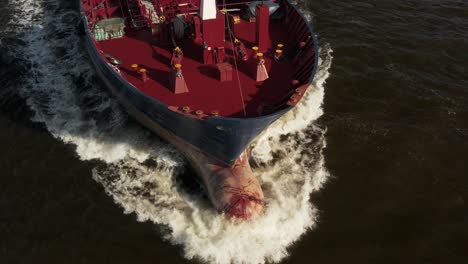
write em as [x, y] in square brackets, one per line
[141, 172]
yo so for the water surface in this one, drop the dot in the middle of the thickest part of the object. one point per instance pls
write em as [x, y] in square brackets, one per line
[83, 183]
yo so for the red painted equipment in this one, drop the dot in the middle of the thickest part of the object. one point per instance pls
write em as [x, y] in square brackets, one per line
[278, 55]
[240, 51]
[262, 73]
[178, 82]
[197, 30]
[134, 67]
[186, 109]
[144, 74]
[224, 71]
[213, 39]
[237, 87]
[255, 51]
[177, 56]
[263, 27]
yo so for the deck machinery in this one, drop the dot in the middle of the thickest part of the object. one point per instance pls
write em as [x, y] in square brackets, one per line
[208, 76]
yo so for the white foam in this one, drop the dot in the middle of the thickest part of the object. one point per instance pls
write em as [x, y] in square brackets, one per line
[308, 110]
[63, 92]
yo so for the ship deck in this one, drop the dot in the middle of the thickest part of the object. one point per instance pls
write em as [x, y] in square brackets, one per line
[206, 92]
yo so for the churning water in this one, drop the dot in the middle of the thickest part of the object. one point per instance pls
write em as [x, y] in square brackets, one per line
[102, 189]
[142, 173]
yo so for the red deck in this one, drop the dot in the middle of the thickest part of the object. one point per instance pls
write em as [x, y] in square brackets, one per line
[206, 92]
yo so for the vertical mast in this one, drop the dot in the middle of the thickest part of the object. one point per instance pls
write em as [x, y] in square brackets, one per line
[208, 9]
[213, 32]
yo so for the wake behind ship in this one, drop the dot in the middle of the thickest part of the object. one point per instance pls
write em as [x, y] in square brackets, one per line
[208, 76]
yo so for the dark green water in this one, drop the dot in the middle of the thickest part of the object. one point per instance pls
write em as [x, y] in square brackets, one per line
[396, 119]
